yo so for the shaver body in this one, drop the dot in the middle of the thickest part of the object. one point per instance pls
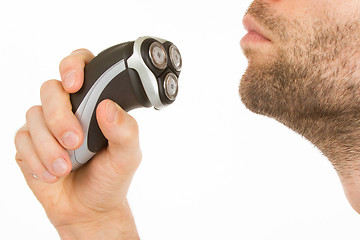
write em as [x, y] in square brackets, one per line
[140, 73]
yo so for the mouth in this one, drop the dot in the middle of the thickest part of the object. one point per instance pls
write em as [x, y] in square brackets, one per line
[255, 34]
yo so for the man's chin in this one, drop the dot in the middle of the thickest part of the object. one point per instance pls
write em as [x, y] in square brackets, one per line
[266, 88]
[259, 56]
[255, 90]
[250, 98]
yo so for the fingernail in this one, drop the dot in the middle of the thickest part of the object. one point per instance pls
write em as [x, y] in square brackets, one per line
[48, 176]
[59, 166]
[112, 111]
[70, 140]
[69, 79]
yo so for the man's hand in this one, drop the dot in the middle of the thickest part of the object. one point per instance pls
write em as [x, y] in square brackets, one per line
[89, 203]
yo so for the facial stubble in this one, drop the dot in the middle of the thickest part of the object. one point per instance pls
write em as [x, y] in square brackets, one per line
[311, 83]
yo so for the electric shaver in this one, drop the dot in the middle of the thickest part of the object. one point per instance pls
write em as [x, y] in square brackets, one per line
[140, 73]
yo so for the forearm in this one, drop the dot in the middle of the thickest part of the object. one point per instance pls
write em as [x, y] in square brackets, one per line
[109, 227]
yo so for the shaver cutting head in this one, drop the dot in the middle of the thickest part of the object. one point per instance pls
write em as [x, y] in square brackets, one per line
[159, 69]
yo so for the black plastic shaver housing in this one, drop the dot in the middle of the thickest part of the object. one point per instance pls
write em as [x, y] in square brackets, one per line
[140, 73]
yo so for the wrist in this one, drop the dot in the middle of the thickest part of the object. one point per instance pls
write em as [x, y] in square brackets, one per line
[117, 224]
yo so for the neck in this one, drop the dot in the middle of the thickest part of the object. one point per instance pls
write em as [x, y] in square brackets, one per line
[338, 138]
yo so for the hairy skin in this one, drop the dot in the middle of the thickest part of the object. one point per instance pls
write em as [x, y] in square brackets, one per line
[310, 82]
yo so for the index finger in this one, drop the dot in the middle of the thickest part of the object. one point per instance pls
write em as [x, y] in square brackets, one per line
[72, 69]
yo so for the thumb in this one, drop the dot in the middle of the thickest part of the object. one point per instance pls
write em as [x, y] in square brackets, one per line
[122, 133]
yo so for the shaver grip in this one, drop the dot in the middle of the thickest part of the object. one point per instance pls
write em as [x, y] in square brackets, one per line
[107, 76]
[126, 90]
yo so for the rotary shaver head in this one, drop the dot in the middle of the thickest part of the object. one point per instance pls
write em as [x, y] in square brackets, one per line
[159, 69]
[141, 73]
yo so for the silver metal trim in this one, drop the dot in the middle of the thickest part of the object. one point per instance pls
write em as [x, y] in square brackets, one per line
[161, 40]
[86, 109]
[146, 76]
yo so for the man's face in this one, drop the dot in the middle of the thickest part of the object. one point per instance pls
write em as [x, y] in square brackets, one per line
[307, 64]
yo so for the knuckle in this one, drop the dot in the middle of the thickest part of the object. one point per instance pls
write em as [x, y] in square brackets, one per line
[135, 128]
[81, 50]
[46, 86]
[19, 161]
[138, 159]
[131, 132]
[55, 120]
[18, 157]
[134, 125]
[32, 111]
[63, 64]
[76, 60]
[65, 61]
[21, 134]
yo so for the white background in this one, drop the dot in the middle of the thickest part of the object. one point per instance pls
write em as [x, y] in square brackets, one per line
[211, 169]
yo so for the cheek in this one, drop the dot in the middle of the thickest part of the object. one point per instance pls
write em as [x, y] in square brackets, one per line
[345, 11]
[334, 11]
[304, 11]
[297, 9]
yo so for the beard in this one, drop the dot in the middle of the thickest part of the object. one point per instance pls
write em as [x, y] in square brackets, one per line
[312, 71]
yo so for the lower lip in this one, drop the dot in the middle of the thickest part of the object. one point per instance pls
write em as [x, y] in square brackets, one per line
[253, 37]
